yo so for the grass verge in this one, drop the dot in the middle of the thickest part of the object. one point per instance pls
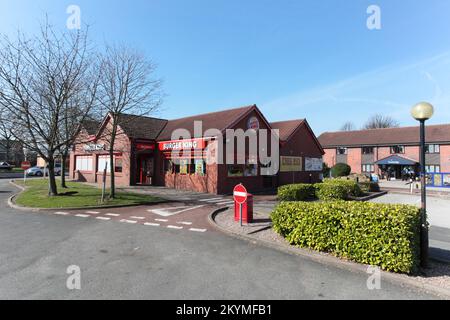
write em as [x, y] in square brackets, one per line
[76, 195]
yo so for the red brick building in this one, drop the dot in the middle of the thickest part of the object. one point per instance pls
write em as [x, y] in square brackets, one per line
[144, 153]
[377, 150]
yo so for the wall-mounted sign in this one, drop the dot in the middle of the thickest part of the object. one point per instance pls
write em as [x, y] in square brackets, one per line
[313, 164]
[93, 147]
[145, 146]
[253, 123]
[182, 144]
[290, 164]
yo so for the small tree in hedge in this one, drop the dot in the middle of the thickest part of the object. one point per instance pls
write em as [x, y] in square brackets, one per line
[326, 170]
[340, 170]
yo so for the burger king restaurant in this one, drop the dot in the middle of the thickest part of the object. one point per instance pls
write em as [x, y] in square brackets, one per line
[146, 153]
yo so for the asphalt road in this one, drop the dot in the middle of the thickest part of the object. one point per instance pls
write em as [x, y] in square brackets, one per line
[122, 261]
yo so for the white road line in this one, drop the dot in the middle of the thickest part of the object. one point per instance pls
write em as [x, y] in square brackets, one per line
[60, 213]
[209, 200]
[197, 230]
[112, 214]
[103, 218]
[128, 221]
[151, 224]
[225, 202]
[82, 215]
[138, 218]
[92, 212]
[175, 227]
[162, 220]
[167, 212]
[185, 223]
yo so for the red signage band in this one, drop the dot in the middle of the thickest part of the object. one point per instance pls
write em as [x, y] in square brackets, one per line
[144, 146]
[187, 144]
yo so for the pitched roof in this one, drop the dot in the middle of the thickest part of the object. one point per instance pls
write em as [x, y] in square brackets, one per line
[287, 128]
[215, 120]
[140, 127]
[91, 126]
[388, 136]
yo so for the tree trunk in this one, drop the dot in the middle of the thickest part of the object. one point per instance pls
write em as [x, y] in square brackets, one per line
[112, 190]
[63, 170]
[52, 188]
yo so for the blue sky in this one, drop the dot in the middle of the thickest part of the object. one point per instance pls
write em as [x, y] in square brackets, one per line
[311, 59]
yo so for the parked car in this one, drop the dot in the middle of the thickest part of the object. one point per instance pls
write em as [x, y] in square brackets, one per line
[5, 166]
[39, 171]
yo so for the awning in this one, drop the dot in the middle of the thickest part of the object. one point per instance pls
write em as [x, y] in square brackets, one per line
[396, 160]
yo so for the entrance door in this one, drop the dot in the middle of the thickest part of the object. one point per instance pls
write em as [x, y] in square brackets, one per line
[145, 169]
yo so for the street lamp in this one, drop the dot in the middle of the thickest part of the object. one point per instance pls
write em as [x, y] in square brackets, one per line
[422, 112]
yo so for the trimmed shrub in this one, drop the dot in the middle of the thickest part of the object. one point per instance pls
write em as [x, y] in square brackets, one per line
[340, 170]
[385, 235]
[337, 189]
[369, 186]
[296, 192]
[329, 191]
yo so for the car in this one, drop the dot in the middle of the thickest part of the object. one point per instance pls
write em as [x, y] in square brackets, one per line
[5, 166]
[35, 171]
[40, 171]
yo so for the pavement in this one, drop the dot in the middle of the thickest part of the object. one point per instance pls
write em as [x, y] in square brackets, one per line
[121, 260]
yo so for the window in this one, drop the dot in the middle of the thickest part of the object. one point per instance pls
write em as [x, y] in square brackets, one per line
[432, 148]
[367, 150]
[168, 165]
[118, 166]
[369, 168]
[184, 166]
[235, 170]
[102, 162]
[83, 163]
[397, 149]
[341, 150]
[433, 168]
[250, 170]
[200, 167]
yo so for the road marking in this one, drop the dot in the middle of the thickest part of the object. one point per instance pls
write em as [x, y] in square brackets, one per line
[166, 212]
[185, 223]
[112, 214]
[138, 218]
[197, 230]
[128, 221]
[152, 224]
[60, 213]
[175, 227]
[103, 218]
[92, 212]
[225, 202]
[211, 199]
[162, 220]
[82, 215]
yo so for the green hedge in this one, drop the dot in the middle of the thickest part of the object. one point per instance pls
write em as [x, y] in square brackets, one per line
[330, 189]
[384, 235]
[340, 170]
[296, 192]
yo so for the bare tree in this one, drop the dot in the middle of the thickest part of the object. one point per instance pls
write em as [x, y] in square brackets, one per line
[348, 126]
[128, 85]
[7, 141]
[39, 78]
[379, 121]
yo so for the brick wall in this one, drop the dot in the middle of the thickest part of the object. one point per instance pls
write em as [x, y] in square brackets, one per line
[329, 157]
[354, 159]
[445, 158]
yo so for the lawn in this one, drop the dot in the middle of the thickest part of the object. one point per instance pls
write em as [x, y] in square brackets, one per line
[76, 195]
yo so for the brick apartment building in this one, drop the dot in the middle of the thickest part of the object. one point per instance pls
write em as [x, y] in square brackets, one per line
[143, 153]
[377, 150]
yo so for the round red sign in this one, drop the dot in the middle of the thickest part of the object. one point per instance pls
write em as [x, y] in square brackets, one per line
[25, 165]
[240, 194]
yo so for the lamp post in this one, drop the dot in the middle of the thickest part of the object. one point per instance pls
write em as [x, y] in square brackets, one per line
[422, 112]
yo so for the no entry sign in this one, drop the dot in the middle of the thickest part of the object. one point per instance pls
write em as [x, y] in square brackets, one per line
[240, 194]
[25, 165]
